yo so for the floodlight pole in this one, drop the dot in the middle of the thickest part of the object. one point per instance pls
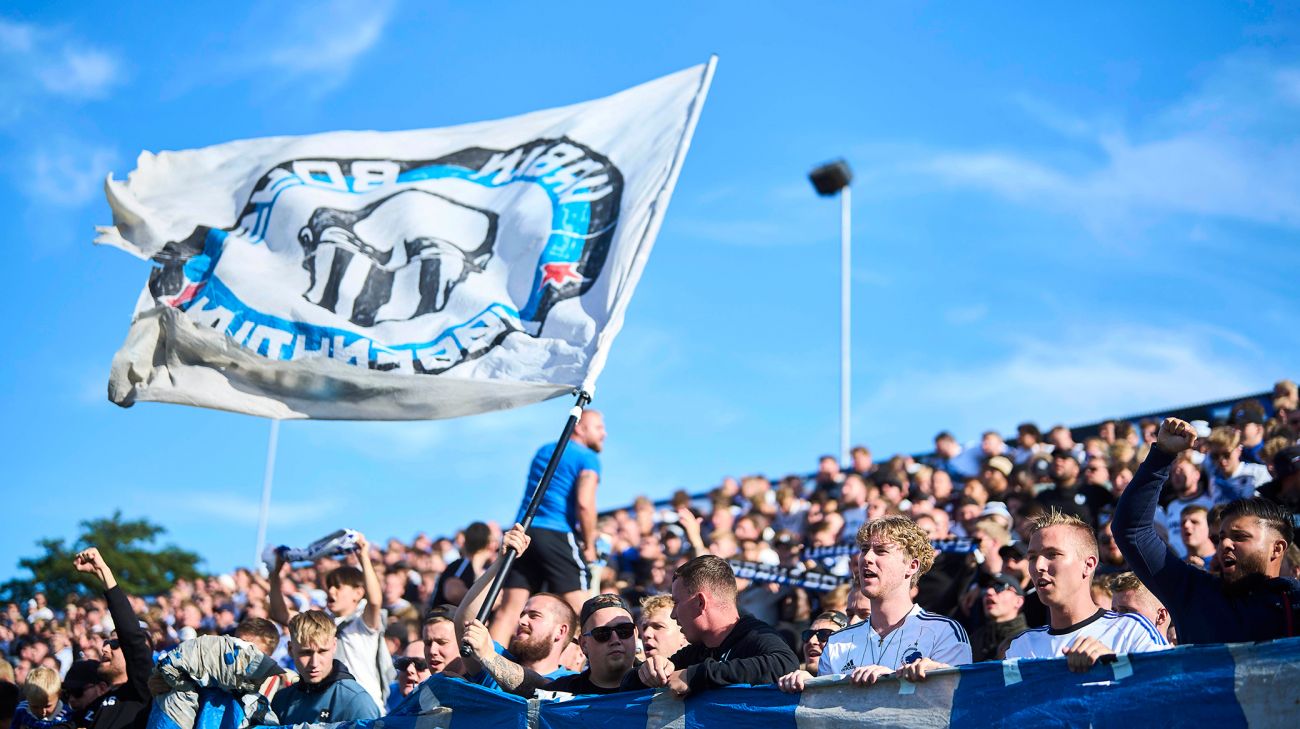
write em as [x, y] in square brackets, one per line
[846, 357]
[266, 492]
[829, 179]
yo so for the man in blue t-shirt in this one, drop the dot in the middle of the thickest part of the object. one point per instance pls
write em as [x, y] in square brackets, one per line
[564, 530]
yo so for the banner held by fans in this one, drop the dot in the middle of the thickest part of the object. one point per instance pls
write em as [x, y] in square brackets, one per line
[398, 275]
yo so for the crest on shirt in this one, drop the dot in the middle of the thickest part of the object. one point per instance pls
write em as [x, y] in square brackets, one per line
[912, 655]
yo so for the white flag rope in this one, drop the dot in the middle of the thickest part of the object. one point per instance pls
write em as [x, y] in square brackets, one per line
[398, 275]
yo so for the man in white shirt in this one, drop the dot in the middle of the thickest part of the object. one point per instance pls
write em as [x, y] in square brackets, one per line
[899, 634]
[1062, 559]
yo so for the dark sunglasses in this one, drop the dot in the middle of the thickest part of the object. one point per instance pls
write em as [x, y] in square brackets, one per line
[999, 587]
[821, 634]
[113, 644]
[419, 663]
[603, 633]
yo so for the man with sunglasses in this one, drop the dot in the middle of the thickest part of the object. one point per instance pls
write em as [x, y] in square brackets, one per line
[411, 672]
[817, 635]
[1252, 601]
[125, 662]
[1002, 597]
[608, 640]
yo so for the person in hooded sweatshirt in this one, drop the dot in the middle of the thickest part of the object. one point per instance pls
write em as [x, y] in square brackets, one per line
[326, 691]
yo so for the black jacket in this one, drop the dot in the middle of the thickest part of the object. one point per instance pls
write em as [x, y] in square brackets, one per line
[1204, 608]
[752, 653]
[127, 706]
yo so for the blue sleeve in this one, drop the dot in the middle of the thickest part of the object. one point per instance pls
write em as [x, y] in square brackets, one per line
[590, 461]
[1169, 578]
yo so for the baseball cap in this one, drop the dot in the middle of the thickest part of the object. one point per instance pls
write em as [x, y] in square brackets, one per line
[600, 602]
[80, 675]
[997, 508]
[1014, 550]
[786, 539]
[834, 616]
[1001, 464]
[1247, 411]
[986, 581]
[1286, 462]
[1065, 453]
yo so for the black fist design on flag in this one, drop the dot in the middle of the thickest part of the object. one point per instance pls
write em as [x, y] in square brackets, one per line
[396, 258]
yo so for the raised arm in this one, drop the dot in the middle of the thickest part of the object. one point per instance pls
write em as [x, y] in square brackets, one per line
[130, 636]
[469, 607]
[278, 609]
[374, 612]
[1167, 576]
[690, 524]
[512, 677]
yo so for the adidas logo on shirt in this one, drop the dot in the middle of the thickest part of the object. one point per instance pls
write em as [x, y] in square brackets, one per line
[847, 666]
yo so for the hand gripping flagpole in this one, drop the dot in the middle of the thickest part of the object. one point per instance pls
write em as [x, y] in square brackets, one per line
[508, 559]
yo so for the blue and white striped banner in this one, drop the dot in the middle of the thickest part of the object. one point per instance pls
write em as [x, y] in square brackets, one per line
[1245, 685]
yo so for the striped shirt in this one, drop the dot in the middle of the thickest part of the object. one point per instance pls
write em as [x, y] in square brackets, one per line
[1121, 632]
[922, 635]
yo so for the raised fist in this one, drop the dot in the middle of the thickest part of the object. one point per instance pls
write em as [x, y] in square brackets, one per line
[1175, 436]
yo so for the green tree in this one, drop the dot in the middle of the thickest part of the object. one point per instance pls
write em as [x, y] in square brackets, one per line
[141, 569]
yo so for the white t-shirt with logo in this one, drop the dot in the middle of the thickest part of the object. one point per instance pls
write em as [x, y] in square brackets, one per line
[1121, 632]
[922, 635]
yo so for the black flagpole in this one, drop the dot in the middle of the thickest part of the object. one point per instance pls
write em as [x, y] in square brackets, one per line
[508, 559]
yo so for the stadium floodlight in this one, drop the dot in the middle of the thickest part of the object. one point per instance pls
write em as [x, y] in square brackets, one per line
[829, 179]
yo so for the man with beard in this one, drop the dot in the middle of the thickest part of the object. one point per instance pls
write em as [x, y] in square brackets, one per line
[544, 629]
[660, 633]
[608, 641]
[121, 695]
[725, 647]
[326, 692]
[1252, 601]
[1062, 561]
[899, 634]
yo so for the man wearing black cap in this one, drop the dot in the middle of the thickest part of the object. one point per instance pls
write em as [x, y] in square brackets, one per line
[121, 687]
[1284, 489]
[1069, 495]
[608, 640]
[1003, 597]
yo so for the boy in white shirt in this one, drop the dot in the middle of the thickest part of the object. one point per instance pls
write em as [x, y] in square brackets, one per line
[1062, 560]
[899, 635]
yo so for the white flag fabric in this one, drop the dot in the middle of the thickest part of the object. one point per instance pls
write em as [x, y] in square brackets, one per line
[398, 275]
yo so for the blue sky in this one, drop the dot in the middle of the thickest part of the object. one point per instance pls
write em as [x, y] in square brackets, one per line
[1060, 213]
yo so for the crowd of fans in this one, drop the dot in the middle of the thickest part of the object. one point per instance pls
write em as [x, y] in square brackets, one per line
[1054, 560]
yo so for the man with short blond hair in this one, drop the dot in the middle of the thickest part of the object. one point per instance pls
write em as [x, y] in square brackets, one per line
[1062, 561]
[660, 633]
[898, 634]
[1129, 595]
[326, 692]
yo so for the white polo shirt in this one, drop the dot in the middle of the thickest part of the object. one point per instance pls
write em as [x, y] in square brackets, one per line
[922, 635]
[1121, 632]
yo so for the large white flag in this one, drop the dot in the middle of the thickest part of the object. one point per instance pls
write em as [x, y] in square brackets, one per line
[398, 275]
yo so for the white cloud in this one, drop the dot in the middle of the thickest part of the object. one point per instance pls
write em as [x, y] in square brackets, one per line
[1076, 377]
[51, 61]
[81, 73]
[969, 314]
[68, 173]
[1225, 151]
[236, 508]
[319, 43]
